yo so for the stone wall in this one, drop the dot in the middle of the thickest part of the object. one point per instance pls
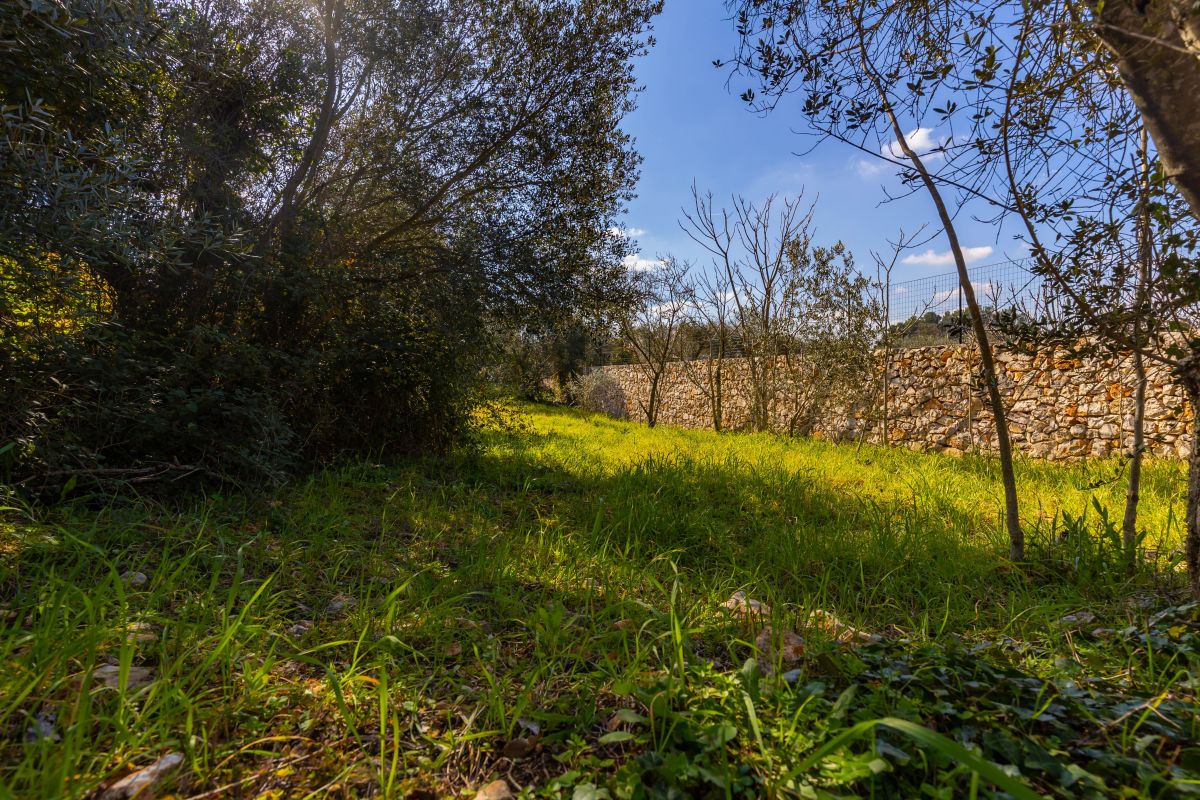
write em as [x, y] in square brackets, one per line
[1059, 408]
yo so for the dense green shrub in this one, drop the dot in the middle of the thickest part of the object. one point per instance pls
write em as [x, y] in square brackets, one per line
[239, 237]
[544, 364]
[114, 405]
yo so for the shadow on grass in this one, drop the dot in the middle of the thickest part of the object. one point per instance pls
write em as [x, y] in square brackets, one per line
[522, 581]
[789, 536]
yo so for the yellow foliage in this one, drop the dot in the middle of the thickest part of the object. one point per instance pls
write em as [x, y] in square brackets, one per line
[48, 296]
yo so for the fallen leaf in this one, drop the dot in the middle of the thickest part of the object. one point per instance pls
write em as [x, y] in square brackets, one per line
[140, 632]
[837, 630]
[141, 784]
[1079, 618]
[42, 729]
[340, 604]
[496, 790]
[623, 717]
[742, 606]
[790, 646]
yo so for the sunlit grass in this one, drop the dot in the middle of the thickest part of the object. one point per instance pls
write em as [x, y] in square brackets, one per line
[394, 629]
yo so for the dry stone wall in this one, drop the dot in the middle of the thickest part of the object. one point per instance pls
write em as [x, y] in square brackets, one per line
[1059, 408]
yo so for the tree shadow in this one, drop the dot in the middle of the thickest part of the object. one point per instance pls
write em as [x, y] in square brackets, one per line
[787, 535]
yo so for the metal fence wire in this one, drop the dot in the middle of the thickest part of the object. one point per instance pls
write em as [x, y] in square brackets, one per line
[931, 310]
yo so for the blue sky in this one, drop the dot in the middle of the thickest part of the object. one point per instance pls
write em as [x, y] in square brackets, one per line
[690, 126]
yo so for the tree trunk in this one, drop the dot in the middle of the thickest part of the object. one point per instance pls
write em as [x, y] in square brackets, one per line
[1142, 310]
[1132, 496]
[1012, 519]
[887, 391]
[1189, 376]
[652, 404]
[715, 386]
[1157, 47]
[285, 217]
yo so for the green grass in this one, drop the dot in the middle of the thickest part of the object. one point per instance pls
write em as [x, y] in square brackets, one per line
[546, 609]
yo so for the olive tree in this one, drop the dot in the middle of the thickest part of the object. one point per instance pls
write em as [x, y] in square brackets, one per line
[873, 75]
[803, 316]
[303, 218]
[1041, 108]
[830, 325]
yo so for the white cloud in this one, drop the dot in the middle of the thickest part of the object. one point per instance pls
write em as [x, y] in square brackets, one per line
[635, 263]
[625, 233]
[923, 141]
[666, 309]
[931, 258]
[867, 169]
[983, 291]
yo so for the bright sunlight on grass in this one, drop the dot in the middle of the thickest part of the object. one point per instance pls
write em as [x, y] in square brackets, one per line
[546, 610]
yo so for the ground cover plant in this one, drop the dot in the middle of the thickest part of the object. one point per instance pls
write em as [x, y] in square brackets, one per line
[551, 609]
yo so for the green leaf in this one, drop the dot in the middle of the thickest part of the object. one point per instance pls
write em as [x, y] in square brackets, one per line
[630, 716]
[929, 739]
[615, 737]
[589, 791]
[842, 705]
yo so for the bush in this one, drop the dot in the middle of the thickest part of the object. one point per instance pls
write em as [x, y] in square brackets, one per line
[599, 391]
[203, 272]
[522, 366]
[109, 406]
[97, 405]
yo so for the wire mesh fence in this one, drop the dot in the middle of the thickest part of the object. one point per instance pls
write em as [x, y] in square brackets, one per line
[932, 310]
